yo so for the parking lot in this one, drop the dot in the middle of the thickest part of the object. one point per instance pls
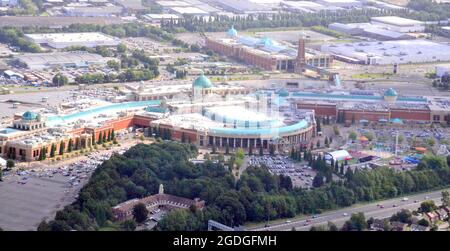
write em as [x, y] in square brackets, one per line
[28, 197]
[299, 172]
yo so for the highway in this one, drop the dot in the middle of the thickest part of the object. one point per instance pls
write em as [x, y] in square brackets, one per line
[380, 209]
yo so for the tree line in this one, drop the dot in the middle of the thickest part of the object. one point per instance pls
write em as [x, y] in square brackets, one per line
[256, 197]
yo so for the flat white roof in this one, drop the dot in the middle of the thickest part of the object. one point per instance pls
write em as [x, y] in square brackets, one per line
[188, 10]
[172, 3]
[399, 51]
[397, 21]
[161, 16]
[70, 37]
[340, 1]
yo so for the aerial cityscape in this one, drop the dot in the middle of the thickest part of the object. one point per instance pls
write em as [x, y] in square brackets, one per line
[224, 115]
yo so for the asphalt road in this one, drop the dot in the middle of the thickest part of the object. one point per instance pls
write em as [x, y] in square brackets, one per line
[369, 210]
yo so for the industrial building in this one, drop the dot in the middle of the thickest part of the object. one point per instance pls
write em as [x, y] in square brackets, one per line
[347, 4]
[159, 18]
[92, 11]
[390, 52]
[442, 70]
[369, 30]
[266, 53]
[9, 3]
[241, 6]
[399, 24]
[305, 6]
[41, 61]
[191, 7]
[63, 40]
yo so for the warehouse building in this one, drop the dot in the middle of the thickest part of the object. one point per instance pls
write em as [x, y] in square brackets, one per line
[369, 30]
[347, 4]
[391, 52]
[399, 24]
[91, 11]
[8, 3]
[63, 40]
[305, 6]
[41, 61]
[241, 6]
[159, 18]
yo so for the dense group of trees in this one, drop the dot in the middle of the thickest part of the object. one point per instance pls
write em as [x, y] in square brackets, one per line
[429, 10]
[257, 196]
[134, 67]
[14, 37]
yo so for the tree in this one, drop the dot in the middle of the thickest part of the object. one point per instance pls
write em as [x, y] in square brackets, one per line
[52, 150]
[272, 150]
[261, 151]
[70, 145]
[327, 144]
[427, 206]
[113, 134]
[423, 222]
[353, 119]
[318, 126]
[93, 141]
[59, 80]
[128, 225]
[61, 147]
[214, 149]
[431, 142]
[357, 222]
[100, 138]
[140, 213]
[341, 168]
[445, 198]
[318, 144]
[318, 180]
[113, 64]
[121, 48]
[332, 226]
[250, 150]
[227, 149]
[10, 164]
[404, 216]
[336, 130]
[352, 135]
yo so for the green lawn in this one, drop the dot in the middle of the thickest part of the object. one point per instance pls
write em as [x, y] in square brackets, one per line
[371, 75]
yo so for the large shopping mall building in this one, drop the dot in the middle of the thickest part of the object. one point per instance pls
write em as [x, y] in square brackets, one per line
[212, 115]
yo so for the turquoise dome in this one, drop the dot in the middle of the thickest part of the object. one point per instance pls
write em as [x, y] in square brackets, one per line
[202, 82]
[282, 93]
[232, 32]
[29, 115]
[266, 41]
[390, 93]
